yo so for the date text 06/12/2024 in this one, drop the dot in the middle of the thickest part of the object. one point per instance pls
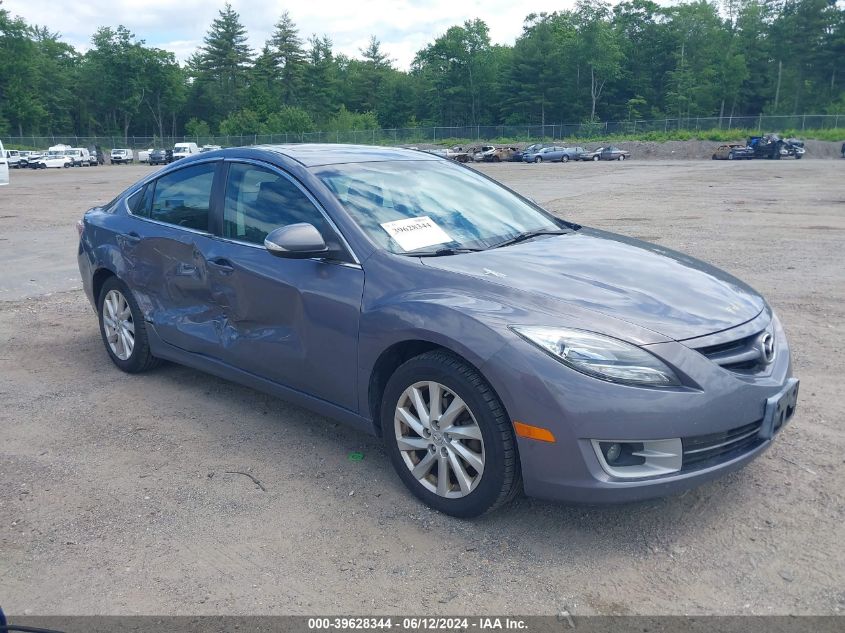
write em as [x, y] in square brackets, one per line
[417, 623]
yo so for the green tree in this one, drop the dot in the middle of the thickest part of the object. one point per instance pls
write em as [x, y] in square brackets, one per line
[220, 68]
[289, 57]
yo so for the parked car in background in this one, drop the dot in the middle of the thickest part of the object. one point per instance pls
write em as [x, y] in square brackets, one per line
[477, 153]
[55, 159]
[210, 148]
[181, 150]
[457, 154]
[518, 154]
[494, 347]
[605, 153]
[144, 155]
[13, 158]
[23, 158]
[552, 154]
[794, 148]
[498, 154]
[80, 156]
[733, 151]
[32, 159]
[4, 166]
[161, 157]
[122, 157]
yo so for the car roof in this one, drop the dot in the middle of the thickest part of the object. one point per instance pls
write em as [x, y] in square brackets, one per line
[314, 154]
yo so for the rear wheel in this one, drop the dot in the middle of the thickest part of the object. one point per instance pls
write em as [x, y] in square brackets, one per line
[448, 436]
[595, 158]
[123, 329]
[731, 156]
[621, 157]
[564, 158]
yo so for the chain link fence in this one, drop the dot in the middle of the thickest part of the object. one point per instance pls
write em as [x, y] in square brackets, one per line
[460, 134]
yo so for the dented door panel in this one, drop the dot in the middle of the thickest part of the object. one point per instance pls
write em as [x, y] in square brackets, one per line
[291, 321]
[170, 277]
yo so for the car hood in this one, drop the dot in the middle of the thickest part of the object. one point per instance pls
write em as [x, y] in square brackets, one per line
[644, 284]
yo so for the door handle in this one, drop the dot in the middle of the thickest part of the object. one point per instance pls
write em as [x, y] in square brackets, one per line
[221, 264]
[131, 237]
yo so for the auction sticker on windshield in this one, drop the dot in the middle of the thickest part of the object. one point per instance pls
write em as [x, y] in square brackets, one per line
[415, 233]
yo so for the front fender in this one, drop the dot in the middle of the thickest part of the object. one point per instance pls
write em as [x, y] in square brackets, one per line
[475, 327]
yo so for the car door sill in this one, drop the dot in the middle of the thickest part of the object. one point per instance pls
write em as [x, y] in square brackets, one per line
[166, 351]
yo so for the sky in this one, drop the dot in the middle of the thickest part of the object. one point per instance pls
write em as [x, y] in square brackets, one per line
[402, 26]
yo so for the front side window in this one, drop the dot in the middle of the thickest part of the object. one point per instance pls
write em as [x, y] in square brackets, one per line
[259, 200]
[183, 197]
[470, 210]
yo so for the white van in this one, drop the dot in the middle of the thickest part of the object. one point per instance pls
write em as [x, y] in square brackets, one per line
[4, 166]
[122, 156]
[80, 156]
[180, 150]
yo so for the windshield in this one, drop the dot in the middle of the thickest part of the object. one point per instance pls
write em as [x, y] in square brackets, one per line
[417, 206]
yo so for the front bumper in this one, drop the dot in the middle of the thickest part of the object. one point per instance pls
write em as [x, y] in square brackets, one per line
[538, 390]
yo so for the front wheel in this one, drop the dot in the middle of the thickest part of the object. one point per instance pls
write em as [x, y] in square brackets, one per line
[538, 159]
[449, 437]
[595, 158]
[564, 159]
[123, 329]
[621, 157]
[731, 156]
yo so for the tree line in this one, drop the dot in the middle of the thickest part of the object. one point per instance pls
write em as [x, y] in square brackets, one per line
[632, 60]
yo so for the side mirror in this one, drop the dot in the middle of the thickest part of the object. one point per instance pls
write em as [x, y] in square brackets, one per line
[297, 241]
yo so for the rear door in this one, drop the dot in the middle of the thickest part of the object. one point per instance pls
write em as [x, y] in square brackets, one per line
[292, 321]
[164, 249]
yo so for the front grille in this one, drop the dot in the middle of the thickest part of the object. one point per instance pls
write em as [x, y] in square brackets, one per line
[702, 451]
[743, 355]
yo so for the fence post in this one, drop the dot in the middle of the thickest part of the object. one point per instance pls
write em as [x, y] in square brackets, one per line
[803, 121]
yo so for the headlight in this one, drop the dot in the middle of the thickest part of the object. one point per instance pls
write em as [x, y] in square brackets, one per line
[600, 356]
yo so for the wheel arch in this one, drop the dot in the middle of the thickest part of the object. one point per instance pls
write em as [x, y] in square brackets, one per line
[101, 275]
[392, 358]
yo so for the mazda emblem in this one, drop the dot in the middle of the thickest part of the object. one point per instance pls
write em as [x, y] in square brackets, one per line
[767, 347]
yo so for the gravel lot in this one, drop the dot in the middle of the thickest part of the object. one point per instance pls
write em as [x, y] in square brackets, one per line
[116, 497]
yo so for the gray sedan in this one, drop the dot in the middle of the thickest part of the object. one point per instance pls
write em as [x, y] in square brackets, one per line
[493, 346]
[552, 154]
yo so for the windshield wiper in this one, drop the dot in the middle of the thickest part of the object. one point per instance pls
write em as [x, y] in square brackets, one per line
[527, 235]
[442, 251]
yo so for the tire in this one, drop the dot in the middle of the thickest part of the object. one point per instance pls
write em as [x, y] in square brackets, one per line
[621, 157]
[714, 157]
[731, 156]
[596, 158]
[472, 492]
[538, 159]
[139, 358]
[799, 156]
[564, 158]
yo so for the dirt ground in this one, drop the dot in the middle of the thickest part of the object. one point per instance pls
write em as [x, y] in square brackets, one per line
[117, 497]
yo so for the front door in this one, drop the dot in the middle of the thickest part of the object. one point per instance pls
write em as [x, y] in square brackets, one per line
[292, 321]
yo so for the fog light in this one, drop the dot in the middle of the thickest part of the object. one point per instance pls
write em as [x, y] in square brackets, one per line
[632, 460]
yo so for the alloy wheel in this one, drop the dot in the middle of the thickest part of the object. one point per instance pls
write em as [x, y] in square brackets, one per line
[439, 439]
[118, 324]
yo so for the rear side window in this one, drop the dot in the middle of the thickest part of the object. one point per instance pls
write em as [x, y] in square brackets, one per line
[183, 197]
[259, 200]
[140, 203]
